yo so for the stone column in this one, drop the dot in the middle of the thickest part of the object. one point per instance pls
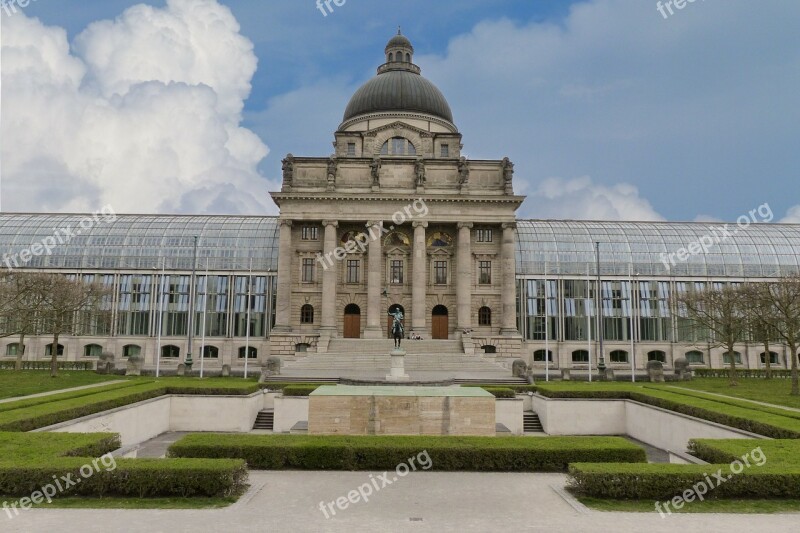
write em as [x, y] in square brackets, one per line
[419, 280]
[283, 307]
[464, 273]
[329, 266]
[374, 277]
[509, 264]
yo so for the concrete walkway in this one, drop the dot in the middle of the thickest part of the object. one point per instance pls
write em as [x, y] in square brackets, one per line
[52, 392]
[421, 501]
[776, 406]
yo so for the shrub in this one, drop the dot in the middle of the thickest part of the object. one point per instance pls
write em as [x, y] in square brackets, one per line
[519, 389]
[45, 365]
[510, 454]
[299, 390]
[276, 386]
[500, 392]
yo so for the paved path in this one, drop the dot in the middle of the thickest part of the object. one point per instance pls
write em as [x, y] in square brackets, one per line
[52, 392]
[776, 406]
[420, 502]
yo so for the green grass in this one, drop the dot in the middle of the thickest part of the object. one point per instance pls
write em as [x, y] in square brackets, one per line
[25, 382]
[734, 506]
[774, 391]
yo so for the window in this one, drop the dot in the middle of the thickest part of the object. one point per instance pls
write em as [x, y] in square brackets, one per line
[307, 314]
[484, 316]
[48, 350]
[489, 348]
[619, 356]
[170, 352]
[210, 352]
[580, 356]
[13, 349]
[657, 355]
[398, 146]
[351, 149]
[92, 350]
[726, 358]
[485, 272]
[308, 271]
[538, 356]
[353, 270]
[483, 235]
[695, 357]
[301, 347]
[130, 350]
[396, 272]
[773, 358]
[440, 272]
[309, 233]
[445, 150]
[252, 353]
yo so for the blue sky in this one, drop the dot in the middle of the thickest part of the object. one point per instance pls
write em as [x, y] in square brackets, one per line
[608, 109]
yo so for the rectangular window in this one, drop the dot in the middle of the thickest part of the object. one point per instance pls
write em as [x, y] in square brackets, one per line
[351, 149]
[485, 272]
[353, 270]
[445, 150]
[396, 273]
[440, 272]
[310, 233]
[483, 235]
[308, 271]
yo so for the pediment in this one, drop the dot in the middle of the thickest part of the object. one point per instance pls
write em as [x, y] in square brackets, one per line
[398, 128]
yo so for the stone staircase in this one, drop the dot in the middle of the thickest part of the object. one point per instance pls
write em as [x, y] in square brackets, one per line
[425, 360]
[265, 420]
[531, 423]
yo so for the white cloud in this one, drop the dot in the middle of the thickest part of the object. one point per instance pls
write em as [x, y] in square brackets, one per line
[793, 216]
[582, 199]
[144, 115]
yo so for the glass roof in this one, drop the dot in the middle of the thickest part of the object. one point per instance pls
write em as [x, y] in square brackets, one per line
[138, 242]
[567, 247]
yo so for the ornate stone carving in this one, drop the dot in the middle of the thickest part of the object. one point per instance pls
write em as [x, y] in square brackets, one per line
[333, 168]
[375, 171]
[463, 172]
[508, 175]
[288, 170]
[419, 171]
[468, 225]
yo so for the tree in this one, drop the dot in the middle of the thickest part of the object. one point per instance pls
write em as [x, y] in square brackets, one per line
[62, 302]
[722, 312]
[21, 298]
[784, 297]
[761, 315]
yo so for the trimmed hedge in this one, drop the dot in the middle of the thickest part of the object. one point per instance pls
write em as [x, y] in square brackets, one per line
[500, 392]
[45, 365]
[22, 403]
[740, 373]
[480, 454]
[519, 389]
[299, 390]
[279, 386]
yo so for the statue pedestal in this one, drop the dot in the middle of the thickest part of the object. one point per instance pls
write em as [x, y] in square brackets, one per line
[398, 370]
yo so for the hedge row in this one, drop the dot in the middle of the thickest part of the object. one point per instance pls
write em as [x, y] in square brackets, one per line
[519, 389]
[299, 390]
[50, 398]
[504, 454]
[501, 392]
[740, 372]
[45, 365]
[279, 386]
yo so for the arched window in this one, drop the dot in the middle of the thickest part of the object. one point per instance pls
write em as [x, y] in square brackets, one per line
[391, 57]
[580, 356]
[695, 357]
[48, 350]
[773, 358]
[92, 350]
[619, 356]
[737, 357]
[252, 353]
[307, 314]
[484, 316]
[657, 355]
[538, 356]
[489, 348]
[131, 349]
[398, 146]
[14, 349]
[210, 352]
[170, 352]
[439, 239]
[408, 58]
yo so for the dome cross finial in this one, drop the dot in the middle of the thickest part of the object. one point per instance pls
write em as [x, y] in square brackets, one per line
[398, 31]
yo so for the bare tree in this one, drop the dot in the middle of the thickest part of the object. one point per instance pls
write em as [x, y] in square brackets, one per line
[761, 315]
[61, 304]
[21, 296]
[784, 296]
[720, 311]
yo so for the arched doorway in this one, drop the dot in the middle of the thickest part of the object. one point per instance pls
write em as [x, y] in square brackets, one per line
[352, 322]
[440, 326]
[390, 319]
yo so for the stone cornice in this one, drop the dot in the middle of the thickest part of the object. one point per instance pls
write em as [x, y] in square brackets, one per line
[448, 198]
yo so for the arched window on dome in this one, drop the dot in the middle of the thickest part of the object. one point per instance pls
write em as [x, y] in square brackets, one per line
[398, 146]
[408, 58]
[391, 57]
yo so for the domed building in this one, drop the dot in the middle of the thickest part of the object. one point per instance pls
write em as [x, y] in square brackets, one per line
[395, 224]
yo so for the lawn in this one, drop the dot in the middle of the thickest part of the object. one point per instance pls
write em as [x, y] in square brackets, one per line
[24, 382]
[763, 390]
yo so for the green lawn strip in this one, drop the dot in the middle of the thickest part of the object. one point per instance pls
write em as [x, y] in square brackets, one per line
[25, 382]
[19, 404]
[301, 452]
[732, 506]
[519, 389]
[775, 391]
[276, 386]
[736, 402]
[775, 451]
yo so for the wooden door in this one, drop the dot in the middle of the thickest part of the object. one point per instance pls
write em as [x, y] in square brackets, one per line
[352, 322]
[440, 325]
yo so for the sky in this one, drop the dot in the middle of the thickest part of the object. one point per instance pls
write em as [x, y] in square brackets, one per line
[610, 109]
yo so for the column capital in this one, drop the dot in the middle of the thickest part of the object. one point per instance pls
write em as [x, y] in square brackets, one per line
[285, 222]
[419, 224]
[509, 225]
[373, 223]
[334, 223]
[468, 225]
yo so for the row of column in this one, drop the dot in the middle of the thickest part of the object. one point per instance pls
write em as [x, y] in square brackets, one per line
[375, 311]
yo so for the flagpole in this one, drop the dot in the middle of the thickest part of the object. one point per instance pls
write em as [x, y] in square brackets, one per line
[247, 326]
[589, 321]
[160, 317]
[633, 316]
[546, 329]
[205, 308]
